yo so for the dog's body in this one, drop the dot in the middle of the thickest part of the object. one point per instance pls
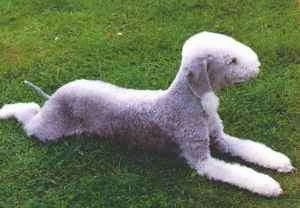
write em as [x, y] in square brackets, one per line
[184, 116]
[127, 115]
[142, 118]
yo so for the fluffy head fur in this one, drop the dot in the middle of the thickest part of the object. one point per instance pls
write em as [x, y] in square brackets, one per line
[229, 61]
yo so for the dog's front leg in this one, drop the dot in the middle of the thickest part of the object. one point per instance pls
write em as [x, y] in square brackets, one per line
[248, 150]
[255, 152]
[195, 149]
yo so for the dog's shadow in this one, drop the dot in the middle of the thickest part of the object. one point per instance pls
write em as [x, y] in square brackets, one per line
[100, 159]
[87, 156]
[84, 165]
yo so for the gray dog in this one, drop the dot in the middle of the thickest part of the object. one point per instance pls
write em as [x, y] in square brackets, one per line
[185, 115]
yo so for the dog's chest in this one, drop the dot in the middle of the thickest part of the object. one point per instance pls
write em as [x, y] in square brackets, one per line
[210, 104]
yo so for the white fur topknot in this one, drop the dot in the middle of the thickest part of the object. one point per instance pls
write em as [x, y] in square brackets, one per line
[218, 45]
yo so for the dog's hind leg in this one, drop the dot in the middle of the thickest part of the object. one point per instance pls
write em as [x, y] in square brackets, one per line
[45, 128]
[23, 112]
[45, 124]
[54, 121]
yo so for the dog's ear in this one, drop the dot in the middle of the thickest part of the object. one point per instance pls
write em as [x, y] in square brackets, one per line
[197, 76]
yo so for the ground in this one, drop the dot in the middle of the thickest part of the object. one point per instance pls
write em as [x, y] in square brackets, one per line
[137, 44]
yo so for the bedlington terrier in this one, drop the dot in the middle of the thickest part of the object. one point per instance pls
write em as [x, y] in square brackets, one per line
[183, 116]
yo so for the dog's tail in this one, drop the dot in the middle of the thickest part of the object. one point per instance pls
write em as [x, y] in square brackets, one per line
[37, 89]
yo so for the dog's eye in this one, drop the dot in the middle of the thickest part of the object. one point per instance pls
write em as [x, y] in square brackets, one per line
[233, 61]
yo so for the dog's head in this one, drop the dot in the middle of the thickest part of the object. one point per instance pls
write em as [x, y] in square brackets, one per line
[224, 61]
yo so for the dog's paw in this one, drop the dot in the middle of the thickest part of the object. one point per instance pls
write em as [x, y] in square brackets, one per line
[5, 112]
[287, 168]
[267, 186]
[11, 110]
[283, 164]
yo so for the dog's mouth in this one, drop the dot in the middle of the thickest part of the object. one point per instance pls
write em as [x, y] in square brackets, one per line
[238, 83]
[241, 80]
[235, 82]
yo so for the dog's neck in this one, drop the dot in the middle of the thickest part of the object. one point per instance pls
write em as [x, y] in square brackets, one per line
[179, 84]
[210, 103]
[180, 89]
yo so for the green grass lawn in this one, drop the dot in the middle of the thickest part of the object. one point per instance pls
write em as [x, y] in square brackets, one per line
[51, 42]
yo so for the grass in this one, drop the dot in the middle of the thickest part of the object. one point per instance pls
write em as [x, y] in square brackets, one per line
[52, 42]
